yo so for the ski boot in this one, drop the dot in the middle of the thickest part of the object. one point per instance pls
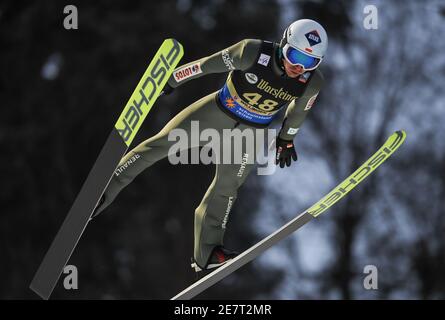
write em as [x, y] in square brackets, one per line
[219, 256]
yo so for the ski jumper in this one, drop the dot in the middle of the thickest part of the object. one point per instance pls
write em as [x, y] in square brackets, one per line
[255, 90]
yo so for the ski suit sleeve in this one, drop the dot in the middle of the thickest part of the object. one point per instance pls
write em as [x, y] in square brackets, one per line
[298, 109]
[239, 56]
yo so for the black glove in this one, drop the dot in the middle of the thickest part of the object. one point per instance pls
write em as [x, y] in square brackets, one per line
[167, 90]
[285, 151]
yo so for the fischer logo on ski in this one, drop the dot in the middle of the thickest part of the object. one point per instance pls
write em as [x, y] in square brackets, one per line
[147, 91]
[359, 175]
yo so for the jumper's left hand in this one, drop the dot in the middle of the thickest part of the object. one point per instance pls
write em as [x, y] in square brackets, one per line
[285, 152]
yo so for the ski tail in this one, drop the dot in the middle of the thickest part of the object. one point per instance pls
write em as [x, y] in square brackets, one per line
[120, 138]
[388, 148]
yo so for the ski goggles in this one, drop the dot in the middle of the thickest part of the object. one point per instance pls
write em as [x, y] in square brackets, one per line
[297, 57]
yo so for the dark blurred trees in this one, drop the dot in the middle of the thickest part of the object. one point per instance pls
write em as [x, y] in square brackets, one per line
[61, 93]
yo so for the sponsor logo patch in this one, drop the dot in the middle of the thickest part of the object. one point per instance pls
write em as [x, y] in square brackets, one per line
[278, 93]
[243, 165]
[292, 130]
[251, 78]
[187, 72]
[226, 215]
[230, 103]
[313, 37]
[128, 163]
[228, 61]
[310, 103]
[264, 59]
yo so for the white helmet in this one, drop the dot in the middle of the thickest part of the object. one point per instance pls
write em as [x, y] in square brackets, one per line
[308, 37]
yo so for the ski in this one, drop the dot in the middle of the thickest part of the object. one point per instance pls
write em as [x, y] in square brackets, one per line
[391, 145]
[120, 138]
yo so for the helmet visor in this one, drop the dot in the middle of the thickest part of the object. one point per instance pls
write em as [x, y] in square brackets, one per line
[297, 57]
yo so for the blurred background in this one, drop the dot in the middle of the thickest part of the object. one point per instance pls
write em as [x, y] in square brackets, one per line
[62, 90]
